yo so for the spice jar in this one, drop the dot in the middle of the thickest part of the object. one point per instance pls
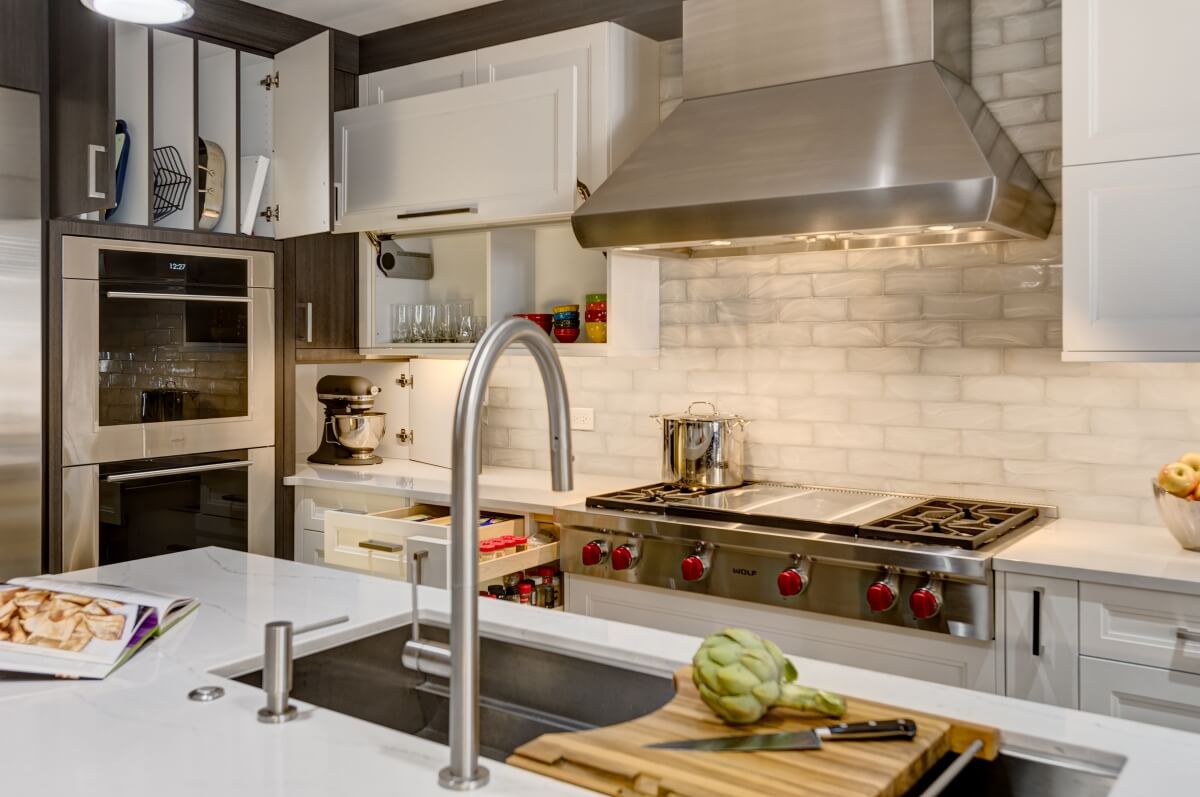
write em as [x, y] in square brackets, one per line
[525, 593]
[521, 544]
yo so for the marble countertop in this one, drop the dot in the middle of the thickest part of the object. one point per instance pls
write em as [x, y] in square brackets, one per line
[500, 489]
[136, 732]
[1124, 555]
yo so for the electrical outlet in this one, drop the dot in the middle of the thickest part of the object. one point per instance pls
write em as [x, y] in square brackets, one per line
[583, 419]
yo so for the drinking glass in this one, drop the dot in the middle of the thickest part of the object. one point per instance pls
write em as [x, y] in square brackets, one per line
[478, 327]
[402, 323]
[448, 322]
[423, 323]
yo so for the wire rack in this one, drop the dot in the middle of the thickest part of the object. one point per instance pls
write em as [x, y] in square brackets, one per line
[171, 182]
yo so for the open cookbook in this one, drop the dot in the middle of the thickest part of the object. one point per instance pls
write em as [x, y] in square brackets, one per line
[79, 629]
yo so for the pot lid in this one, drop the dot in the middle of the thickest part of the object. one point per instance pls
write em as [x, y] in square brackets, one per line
[712, 415]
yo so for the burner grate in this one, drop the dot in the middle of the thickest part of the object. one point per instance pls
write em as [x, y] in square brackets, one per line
[652, 497]
[943, 521]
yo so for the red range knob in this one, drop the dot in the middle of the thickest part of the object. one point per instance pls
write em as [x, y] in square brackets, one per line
[925, 603]
[791, 582]
[881, 596]
[623, 557]
[594, 553]
[693, 568]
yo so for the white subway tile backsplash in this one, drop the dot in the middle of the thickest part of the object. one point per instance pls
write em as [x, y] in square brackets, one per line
[779, 334]
[1022, 418]
[847, 435]
[779, 383]
[709, 289]
[847, 334]
[923, 281]
[1004, 279]
[813, 309]
[883, 259]
[960, 415]
[757, 359]
[961, 306]
[1009, 58]
[994, 9]
[960, 255]
[703, 335]
[1004, 389]
[1029, 82]
[884, 308]
[813, 360]
[745, 266]
[780, 433]
[889, 464]
[1004, 445]
[1020, 111]
[688, 313]
[1048, 251]
[809, 458]
[814, 408]
[672, 291]
[746, 310]
[780, 286]
[918, 387]
[1005, 333]
[1034, 25]
[954, 362]
[671, 269]
[885, 413]
[812, 262]
[849, 385]
[937, 468]
[884, 360]
[1091, 391]
[1093, 448]
[923, 333]
[1066, 476]
[847, 284]
[923, 441]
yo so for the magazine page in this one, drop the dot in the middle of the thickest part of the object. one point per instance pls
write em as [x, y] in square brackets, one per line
[164, 605]
[62, 627]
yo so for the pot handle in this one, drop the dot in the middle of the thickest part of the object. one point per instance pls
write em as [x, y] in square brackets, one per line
[709, 404]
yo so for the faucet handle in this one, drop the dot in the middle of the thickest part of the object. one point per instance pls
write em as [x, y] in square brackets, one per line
[415, 558]
[419, 655]
[277, 674]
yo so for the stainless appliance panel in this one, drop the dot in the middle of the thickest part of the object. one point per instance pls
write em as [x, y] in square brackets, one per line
[90, 498]
[787, 502]
[85, 439]
[21, 337]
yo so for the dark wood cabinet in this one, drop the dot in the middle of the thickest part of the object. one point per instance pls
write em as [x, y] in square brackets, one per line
[22, 44]
[81, 97]
[323, 269]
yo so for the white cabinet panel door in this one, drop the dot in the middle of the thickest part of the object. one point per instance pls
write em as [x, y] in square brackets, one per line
[1129, 80]
[1130, 273]
[482, 154]
[583, 48]
[1041, 639]
[930, 657]
[412, 80]
[1142, 694]
[301, 108]
[433, 400]
[1158, 629]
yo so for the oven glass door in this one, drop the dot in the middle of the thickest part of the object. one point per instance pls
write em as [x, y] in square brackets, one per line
[173, 338]
[167, 504]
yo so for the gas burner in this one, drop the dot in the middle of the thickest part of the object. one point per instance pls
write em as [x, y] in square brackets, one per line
[944, 521]
[651, 498]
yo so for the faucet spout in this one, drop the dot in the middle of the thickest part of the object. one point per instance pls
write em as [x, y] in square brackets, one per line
[464, 772]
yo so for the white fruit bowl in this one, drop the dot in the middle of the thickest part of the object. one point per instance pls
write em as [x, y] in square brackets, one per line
[1181, 516]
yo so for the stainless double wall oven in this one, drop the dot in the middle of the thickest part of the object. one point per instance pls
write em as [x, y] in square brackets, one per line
[168, 400]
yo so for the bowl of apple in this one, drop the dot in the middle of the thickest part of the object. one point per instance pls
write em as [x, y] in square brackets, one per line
[1177, 494]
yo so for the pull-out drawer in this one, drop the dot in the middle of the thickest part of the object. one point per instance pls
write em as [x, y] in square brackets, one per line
[376, 543]
[1158, 629]
[1143, 694]
[314, 502]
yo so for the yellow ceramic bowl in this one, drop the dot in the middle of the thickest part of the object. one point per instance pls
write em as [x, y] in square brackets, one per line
[567, 308]
[597, 331]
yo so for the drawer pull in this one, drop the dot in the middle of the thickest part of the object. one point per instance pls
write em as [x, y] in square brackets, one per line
[1037, 622]
[1187, 635]
[386, 547]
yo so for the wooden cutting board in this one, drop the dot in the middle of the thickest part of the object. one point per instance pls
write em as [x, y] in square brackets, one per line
[614, 760]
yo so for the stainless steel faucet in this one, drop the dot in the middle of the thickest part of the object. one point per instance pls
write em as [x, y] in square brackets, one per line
[461, 661]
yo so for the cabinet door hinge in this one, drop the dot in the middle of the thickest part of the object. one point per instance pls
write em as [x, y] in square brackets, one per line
[271, 213]
[405, 381]
[405, 436]
[270, 81]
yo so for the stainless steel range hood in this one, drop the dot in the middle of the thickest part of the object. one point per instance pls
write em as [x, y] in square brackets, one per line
[820, 124]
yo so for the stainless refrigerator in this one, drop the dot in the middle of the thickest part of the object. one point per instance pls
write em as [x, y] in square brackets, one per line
[21, 406]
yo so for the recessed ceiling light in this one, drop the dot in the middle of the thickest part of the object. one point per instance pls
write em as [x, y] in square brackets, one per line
[631, 248]
[720, 243]
[142, 12]
[940, 228]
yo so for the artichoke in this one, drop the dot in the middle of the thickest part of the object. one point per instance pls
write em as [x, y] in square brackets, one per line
[741, 676]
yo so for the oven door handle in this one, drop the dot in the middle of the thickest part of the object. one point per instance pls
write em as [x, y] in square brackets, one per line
[150, 474]
[177, 297]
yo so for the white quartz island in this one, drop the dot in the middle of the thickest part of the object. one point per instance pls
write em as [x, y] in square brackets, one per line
[136, 733]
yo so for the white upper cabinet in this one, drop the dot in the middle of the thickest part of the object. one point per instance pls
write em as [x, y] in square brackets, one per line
[617, 91]
[483, 154]
[1129, 80]
[413, 80]
[300, 124]
[1130, 277]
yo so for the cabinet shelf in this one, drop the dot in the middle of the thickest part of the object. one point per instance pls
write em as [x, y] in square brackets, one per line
[515, 562]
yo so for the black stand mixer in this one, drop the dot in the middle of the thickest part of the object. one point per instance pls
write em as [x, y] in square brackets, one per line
[351, 429]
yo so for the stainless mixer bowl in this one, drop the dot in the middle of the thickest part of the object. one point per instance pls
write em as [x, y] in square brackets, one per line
[360, 432]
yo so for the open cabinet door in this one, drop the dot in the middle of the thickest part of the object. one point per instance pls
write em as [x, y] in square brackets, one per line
[431, 409]
[301, 127]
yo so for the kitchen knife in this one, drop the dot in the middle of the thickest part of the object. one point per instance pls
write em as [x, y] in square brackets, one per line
[800, 740]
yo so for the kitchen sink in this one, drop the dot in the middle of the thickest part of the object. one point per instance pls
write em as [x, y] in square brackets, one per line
[528, 691]
[525, 691]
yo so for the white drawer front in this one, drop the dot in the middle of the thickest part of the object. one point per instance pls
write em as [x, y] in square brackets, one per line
[377, 543]
[1158, 629]
[315, 502]
[1142, 694]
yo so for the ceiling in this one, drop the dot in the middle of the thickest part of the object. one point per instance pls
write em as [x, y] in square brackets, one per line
[361, 17]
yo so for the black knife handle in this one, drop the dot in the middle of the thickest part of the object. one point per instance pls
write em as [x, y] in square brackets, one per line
[864, 731]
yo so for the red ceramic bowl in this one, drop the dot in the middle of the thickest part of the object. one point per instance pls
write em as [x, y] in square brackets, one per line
[543, 320]
[592, 316]
[596, 306]
[564, 335]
